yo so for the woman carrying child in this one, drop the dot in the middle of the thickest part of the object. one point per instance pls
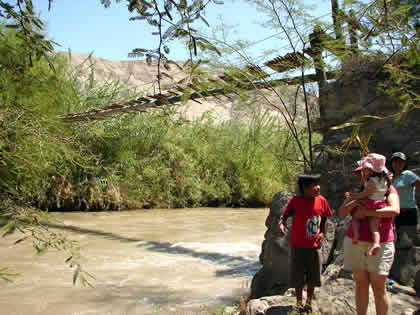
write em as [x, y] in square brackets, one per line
[370, 271]
[376, 187]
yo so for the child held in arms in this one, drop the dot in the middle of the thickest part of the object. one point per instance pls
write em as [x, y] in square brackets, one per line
[376, 188]
[309, 211]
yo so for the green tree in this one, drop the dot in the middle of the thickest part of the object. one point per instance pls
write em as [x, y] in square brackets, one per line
[35, 145]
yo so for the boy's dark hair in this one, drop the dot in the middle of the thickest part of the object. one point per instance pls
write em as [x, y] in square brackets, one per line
[305, 180]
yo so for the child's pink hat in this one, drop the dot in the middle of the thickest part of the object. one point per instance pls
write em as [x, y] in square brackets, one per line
[359, 166]
[376, 162]
[357, 170]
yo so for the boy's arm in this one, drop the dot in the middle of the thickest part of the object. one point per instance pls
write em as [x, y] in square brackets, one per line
[323, 225]
[286, 213]
[323, 228]
[284, 216]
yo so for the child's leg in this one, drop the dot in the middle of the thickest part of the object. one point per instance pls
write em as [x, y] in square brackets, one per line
[373, 225]
[356, 226]
[314, 268]
[297, 272]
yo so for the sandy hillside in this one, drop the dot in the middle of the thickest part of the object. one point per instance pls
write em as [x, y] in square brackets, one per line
[140, 77]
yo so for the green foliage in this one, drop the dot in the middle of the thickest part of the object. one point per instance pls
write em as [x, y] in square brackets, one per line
[389, 38]
[136, 160]
[90, 93]
[34, 144]
[154, 160]
[20, 16]
[38, 153]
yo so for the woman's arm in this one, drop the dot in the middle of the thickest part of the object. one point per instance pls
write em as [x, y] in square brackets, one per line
[347, 206]
[391, 210]
[417, 183]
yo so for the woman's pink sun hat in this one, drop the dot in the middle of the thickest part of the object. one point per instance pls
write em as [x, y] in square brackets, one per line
[374, 161]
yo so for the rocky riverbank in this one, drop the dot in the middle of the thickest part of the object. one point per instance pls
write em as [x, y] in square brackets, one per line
[270, 294]
[336, 297]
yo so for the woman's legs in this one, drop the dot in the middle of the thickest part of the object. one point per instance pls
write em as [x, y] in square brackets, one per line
[380, 293]
[361, 279]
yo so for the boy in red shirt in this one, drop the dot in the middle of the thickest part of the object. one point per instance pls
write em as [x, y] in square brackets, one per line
[310, 211]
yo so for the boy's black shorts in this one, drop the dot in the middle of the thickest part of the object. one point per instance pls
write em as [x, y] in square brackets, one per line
[304, 267]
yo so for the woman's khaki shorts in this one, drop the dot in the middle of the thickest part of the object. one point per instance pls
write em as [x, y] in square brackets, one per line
[356, 257]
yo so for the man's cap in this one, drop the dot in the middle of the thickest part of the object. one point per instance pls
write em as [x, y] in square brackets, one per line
[399, 155]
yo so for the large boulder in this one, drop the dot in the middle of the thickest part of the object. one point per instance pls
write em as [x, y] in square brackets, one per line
[406, 265]
[271, 279]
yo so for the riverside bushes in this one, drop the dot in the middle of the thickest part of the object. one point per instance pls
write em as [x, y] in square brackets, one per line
[157, 162]
[36, 148]
[138, 160]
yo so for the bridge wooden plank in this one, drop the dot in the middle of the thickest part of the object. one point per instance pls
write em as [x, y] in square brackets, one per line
[143, 103]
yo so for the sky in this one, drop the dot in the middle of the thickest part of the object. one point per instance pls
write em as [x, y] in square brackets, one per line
[85, 26]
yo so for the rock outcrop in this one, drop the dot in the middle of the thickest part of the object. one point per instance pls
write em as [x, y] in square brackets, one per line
[386, 136]
[336, 296]
[271, 279]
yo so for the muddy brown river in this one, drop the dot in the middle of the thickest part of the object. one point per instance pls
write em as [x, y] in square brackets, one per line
[171, 261]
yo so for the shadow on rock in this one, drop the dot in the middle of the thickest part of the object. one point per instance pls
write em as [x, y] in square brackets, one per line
[279, 310]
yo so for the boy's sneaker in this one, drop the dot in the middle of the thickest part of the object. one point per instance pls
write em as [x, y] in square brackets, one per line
[298, 308]
[307, 309]
[301, 310]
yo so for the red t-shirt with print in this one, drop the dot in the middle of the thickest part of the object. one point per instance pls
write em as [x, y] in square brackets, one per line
[307, 214]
